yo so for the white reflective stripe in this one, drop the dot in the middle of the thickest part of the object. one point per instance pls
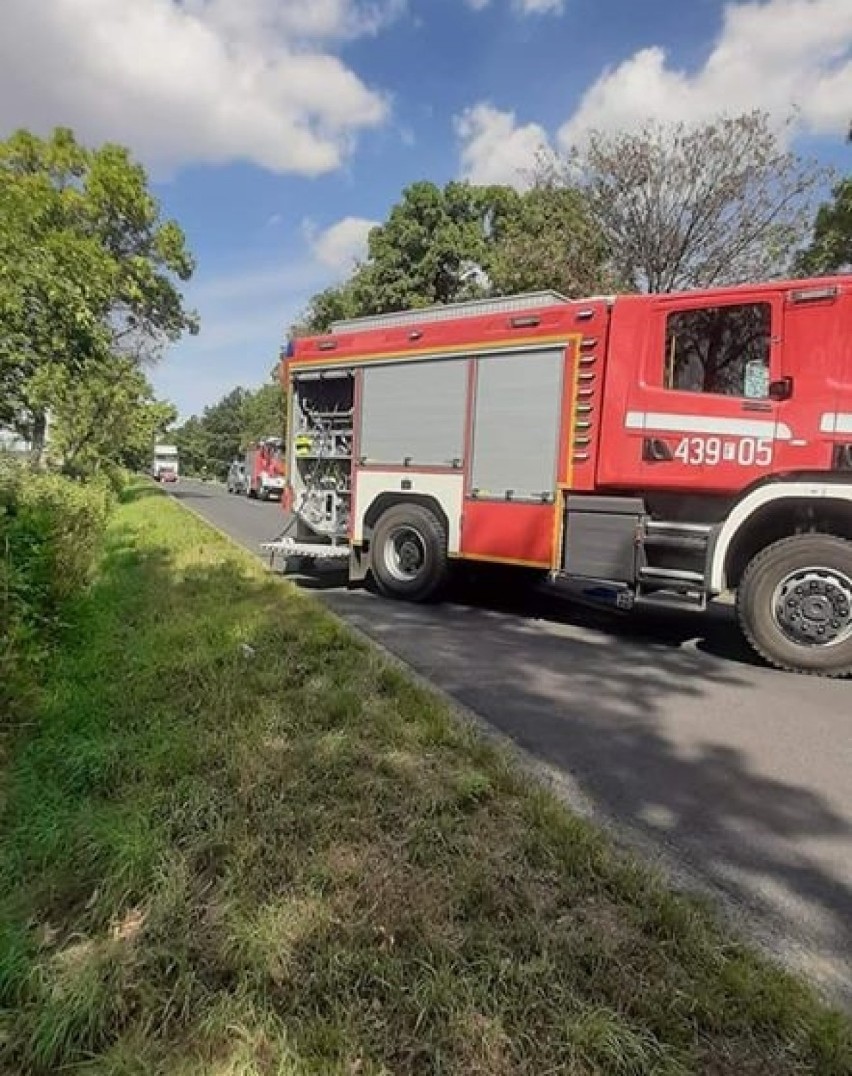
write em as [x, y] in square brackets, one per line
[756, 500]
[836, 422]
[733, 427]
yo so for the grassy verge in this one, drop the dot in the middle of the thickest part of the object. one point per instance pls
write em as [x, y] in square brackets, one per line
[237, 842]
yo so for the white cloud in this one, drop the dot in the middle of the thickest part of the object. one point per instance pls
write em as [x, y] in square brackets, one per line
[194, 81]
[540, 7]
[342, 245]
[775, 55]
[319, 20]
[495, 149]
[525, 7]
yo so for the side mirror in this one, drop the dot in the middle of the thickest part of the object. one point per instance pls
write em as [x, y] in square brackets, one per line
[655, 450]
[782, 389]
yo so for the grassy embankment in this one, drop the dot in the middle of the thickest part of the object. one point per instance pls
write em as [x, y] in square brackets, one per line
[235, 841]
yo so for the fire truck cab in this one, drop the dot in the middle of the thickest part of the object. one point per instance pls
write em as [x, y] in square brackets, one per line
[640, 448]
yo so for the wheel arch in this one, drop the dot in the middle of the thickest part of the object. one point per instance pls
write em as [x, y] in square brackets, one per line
[391, 499]
[772, 512]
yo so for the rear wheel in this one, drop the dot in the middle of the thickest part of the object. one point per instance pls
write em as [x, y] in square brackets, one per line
[408, 553]
[794, 604]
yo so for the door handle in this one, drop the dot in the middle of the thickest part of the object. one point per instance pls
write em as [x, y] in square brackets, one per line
[757, 405]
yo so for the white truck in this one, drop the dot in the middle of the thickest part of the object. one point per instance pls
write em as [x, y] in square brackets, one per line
[165, 465]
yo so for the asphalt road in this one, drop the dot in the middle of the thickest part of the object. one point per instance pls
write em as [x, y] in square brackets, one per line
[735, 778]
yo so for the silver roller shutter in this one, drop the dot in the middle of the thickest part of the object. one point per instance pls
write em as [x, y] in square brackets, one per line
[414, 411]
[516, 424]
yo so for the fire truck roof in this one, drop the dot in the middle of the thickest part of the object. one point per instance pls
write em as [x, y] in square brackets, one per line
[507, 304]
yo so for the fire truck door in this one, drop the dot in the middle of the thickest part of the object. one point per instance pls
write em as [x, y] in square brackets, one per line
[705, 410]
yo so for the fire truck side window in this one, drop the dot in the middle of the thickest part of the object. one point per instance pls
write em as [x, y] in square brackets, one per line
[722, 350]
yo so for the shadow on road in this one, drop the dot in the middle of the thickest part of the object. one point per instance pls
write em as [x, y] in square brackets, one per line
[194, 494]
[511, 594]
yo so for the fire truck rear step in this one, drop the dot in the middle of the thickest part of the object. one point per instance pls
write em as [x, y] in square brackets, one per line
[290, 547]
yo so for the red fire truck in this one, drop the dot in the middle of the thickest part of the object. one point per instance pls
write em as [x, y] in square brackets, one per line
[638, 449]
[264, 468]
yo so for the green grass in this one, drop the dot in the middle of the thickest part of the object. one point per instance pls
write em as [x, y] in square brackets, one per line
[235, 841]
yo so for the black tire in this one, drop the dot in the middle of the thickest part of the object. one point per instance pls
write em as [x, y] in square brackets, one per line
[417, 567]
[251, 493]
[794, 604]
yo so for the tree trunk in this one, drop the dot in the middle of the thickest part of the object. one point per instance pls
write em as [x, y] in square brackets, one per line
[38, 441]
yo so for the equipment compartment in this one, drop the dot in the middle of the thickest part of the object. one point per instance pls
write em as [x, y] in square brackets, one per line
[321, 463]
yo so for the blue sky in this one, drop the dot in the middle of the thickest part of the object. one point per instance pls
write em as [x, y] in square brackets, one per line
[276, 131]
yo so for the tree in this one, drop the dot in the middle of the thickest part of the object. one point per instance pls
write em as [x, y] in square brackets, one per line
[429, 248]
[263, 412]
[831, 246]
[445, 245]
[223, 424]
[106, 413]
[548, 239]
[89, 270]
[335, 303]
[694, 206]
[193, 445]
[209, 442]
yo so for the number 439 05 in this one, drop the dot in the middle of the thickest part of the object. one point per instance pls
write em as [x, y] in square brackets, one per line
[711, 451]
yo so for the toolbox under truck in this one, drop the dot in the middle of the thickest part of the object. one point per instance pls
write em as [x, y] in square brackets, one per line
[640, 448]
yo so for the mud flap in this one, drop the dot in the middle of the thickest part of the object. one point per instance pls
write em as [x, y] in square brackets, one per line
[359, 565]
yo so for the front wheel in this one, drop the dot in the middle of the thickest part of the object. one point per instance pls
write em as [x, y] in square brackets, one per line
[794, 604]
[408, 553]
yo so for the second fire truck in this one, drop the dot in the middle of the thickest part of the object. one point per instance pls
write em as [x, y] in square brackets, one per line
[640, 448]
[263, 469]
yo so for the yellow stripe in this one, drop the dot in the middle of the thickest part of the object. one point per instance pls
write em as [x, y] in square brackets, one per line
[506, 344]
[557, 530]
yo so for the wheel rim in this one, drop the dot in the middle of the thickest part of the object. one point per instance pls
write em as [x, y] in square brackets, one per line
[404, 554]
[813, 607]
